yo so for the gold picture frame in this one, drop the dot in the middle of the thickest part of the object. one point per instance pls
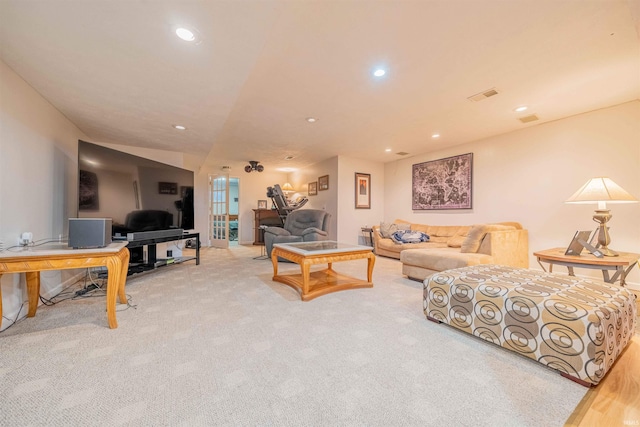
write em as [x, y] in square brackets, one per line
[363, 190]
[323, 182]
[312, 188]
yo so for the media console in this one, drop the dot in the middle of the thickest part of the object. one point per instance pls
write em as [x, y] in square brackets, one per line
[151, 262]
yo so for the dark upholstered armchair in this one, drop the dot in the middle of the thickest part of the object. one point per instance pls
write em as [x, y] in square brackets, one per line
[148, 220]
[304, 225]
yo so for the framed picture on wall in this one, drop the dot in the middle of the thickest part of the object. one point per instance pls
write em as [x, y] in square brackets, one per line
[443, 184]
[168, 188]
[312, 188]
[323, 182]
[363, 190]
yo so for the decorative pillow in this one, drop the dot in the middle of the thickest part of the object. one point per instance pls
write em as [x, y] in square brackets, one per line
[457, 239]
[472, 242]
[408, 236]
[387, 229]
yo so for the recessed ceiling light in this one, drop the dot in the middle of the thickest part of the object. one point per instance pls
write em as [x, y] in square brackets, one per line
[435, 135]
[311, 119]
[521, 108]
[186, 34]
[179, 127]
[379, 72]
[388, 150]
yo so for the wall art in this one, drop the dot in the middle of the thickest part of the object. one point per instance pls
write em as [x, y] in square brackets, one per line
[443, 184]
[363, 190]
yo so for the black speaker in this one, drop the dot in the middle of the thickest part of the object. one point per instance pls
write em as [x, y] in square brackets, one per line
[86, 233]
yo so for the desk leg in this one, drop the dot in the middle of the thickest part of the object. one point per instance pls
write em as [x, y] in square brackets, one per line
[0, 299]
[116, 284]
[370, 262]
[33, 291]
[198, 249]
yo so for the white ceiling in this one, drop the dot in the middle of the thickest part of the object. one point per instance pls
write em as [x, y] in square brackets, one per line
[116, 70]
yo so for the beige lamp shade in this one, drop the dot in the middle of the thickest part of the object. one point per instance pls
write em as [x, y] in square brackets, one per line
[601, 190]
[287, 187]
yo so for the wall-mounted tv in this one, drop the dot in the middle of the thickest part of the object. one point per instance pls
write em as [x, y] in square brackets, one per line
[138, 194]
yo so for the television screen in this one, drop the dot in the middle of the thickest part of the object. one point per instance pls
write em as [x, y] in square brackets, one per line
[138, 194]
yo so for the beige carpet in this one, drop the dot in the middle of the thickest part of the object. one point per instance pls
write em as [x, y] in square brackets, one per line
[221, 344]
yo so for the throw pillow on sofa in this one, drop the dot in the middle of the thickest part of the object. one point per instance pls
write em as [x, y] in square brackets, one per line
[387, 229]
[408, 236]
[457, 239]
[473, 240]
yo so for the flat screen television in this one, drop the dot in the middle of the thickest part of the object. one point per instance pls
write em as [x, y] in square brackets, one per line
[138, 194]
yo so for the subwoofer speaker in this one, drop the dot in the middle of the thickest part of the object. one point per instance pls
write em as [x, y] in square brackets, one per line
[85, 233]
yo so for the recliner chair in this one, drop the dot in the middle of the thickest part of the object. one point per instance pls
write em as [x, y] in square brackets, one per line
[282, 205]
[304, 225]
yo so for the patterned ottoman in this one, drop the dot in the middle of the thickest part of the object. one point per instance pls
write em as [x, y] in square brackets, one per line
[576, 326]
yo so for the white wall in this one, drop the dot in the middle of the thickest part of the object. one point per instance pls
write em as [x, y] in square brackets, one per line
[38, 169]
[325, 199]
[352, 219]
[527, 175]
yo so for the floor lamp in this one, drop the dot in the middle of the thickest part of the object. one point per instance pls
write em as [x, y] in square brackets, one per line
[602, 190]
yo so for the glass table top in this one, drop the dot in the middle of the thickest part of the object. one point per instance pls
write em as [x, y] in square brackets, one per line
[321, 247]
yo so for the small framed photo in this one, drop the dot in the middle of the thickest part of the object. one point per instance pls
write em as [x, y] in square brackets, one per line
[363, 190]
[312, 188]
[168, 188]
[262, 204]
[323, 182]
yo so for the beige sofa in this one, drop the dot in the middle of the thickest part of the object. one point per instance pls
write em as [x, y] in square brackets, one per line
[454, 246]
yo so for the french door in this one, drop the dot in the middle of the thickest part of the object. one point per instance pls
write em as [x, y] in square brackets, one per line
[219, 210]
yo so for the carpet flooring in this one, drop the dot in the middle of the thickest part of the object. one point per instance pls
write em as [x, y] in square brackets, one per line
[221, 344]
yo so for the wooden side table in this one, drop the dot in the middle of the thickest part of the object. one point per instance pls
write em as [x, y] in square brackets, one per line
[621, 264]
[60, 257]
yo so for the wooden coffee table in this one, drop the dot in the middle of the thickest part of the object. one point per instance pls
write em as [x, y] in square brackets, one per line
[317, 283]
[621, 265]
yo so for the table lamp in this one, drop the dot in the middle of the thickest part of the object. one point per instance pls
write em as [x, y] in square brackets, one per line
[286, 189]
[601, 190]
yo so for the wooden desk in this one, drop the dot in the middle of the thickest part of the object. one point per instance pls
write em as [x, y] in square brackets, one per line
[267, 217]
[621, 264]
[60, 257]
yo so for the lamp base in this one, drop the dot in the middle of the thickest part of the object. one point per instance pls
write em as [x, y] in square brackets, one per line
[608, 252]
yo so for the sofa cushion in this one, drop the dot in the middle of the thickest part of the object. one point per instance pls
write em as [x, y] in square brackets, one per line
[437, 233]
[440, 259]
[387, 229]
[472, 242]
[456, 240]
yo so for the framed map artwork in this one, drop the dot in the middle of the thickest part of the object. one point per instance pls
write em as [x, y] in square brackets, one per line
[443, 184]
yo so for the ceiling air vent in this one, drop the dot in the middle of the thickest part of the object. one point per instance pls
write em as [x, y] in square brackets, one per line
[530, 118]
[483, 95]
[401, 153]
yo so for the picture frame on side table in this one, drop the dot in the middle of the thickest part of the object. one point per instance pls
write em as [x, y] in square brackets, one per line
[312, 188]
[363, 190]
[262, 204]
[323, 182]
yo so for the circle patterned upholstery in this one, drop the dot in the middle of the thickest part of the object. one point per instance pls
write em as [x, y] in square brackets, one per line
[574, 325]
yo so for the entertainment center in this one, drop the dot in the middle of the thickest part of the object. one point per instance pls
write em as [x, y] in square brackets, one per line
[146, 203]
[138, 264]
